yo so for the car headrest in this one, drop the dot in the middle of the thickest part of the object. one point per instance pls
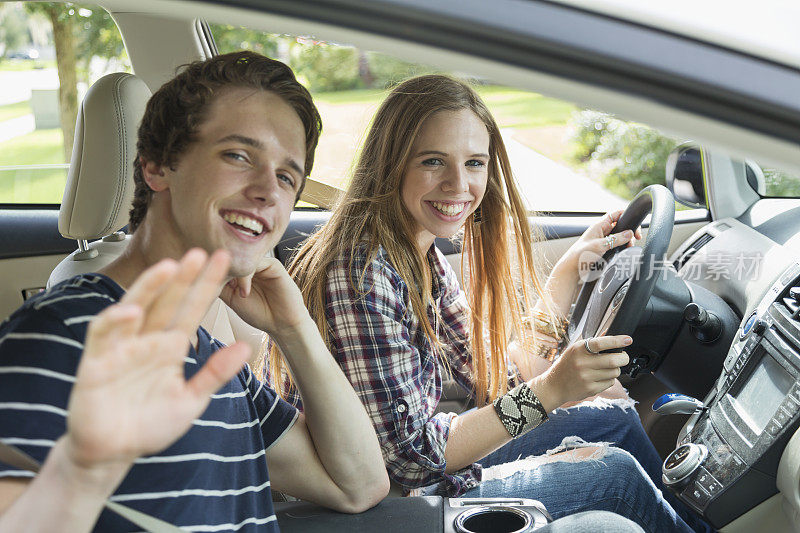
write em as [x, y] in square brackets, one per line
[99, 189]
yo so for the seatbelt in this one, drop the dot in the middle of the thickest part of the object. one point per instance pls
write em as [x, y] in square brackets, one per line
[18, 459]
[320, 194]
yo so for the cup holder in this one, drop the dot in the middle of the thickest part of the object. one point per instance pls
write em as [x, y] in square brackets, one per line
[493, 519]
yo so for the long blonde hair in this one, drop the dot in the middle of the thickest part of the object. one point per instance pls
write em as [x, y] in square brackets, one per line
[371, 214]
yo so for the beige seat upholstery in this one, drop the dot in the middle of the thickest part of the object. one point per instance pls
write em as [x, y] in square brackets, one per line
[99, 191]
[99, 186]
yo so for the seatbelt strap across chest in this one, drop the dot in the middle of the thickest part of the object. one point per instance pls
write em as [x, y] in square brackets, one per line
[18, 459]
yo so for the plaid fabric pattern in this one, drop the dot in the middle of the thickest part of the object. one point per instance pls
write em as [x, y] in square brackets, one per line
[381, 347]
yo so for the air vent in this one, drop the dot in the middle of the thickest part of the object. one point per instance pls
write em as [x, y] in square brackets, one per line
[691, 250]
[790, 300]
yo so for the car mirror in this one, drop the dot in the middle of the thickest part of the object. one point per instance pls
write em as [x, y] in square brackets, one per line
[685, 175]
[755, 177]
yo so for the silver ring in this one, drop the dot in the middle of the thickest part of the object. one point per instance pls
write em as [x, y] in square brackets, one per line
[610, 240]
[586, 345]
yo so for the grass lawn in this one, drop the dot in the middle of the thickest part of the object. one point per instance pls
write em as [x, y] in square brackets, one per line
[33, 185]
[15, 65]
[512, 108]
[7, 112]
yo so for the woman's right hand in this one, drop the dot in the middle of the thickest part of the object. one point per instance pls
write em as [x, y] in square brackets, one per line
[578, 373]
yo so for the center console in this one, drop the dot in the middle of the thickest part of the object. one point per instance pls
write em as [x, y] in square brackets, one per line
[434, 514]
[728, 454]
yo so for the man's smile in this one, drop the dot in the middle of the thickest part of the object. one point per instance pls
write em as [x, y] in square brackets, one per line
[246, 223]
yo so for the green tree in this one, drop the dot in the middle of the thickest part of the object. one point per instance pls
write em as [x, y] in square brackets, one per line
[326, 67]
[779, 183]
[320, 65]
[588, 128]
[387, 71]
[77, 32]
[98, 36]
[13, 29]
[62, 17]
[232, 38]
[631, 155]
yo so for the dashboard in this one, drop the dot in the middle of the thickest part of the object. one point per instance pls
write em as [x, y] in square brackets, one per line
[733, 451]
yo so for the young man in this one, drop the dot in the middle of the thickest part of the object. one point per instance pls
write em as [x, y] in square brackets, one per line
[107, 398]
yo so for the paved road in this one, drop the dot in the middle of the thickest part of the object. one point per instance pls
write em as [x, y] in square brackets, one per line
[16, 127]
[16, 86]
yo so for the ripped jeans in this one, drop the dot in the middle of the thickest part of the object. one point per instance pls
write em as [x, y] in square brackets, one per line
[614, 422]
[610, 480]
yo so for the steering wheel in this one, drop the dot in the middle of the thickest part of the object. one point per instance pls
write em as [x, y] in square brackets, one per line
[613, 302]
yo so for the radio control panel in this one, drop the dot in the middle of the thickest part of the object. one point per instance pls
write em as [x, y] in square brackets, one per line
[748, 417]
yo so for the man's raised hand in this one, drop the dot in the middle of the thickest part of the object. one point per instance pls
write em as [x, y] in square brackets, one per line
[130, 396]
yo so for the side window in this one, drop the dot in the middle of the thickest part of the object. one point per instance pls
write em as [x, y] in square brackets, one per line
[565, 159]
[50, 53]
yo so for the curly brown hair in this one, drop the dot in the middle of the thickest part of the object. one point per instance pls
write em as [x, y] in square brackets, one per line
[176, 111]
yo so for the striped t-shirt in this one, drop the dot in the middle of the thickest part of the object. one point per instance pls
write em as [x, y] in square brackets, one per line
[214, 478]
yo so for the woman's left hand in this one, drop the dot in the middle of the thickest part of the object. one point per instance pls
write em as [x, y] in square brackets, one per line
[598, 239]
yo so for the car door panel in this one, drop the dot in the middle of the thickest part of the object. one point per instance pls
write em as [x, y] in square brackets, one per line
[30, 248]
[30, 232]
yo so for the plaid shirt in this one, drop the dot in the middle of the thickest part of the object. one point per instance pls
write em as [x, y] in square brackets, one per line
[382, 349]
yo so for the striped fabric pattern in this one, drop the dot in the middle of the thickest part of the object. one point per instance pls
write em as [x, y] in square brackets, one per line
[382, 349]
[214, 478]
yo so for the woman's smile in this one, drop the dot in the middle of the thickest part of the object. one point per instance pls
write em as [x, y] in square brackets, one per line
[448, 211]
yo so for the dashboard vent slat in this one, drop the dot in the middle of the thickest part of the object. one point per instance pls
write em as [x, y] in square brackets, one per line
[791, 304]
[788, 301]
[691, 250]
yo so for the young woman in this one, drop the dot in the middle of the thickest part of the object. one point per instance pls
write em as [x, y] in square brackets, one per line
[393, 314]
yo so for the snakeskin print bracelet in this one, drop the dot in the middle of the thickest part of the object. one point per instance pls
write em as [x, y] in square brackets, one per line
[520, 410]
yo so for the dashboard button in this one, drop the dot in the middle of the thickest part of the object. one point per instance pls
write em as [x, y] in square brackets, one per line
[736, 462]
[795, 392]
[748, 325]
[773, 428]
[730, 359]
[708, 482]
[697, 495]
[791, 405]
[782, 417]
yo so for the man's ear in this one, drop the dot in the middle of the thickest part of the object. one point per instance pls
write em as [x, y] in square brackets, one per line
[154, 174]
